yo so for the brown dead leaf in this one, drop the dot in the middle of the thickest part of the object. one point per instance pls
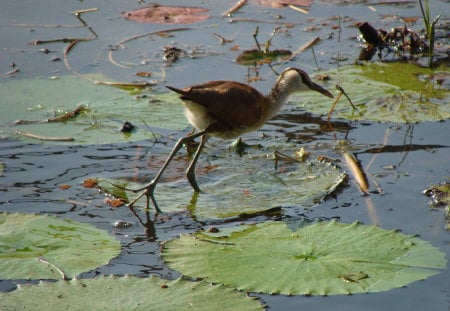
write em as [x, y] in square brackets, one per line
[90, 183]
[115, 202]
[64, 186]
[160, 14]
[144, 74]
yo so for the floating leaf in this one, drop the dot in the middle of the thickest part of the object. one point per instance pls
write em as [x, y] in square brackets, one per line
[394, 92]
[67, 245]
[107, 108]
[126, 293]
[161, 14]
[243, 185]
[325, 258]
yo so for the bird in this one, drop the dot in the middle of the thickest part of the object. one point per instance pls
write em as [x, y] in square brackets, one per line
[228, 109]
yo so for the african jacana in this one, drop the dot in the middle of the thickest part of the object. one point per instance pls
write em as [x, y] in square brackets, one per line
[228, 109]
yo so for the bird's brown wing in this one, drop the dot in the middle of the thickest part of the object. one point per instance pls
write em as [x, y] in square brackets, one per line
[234, 104]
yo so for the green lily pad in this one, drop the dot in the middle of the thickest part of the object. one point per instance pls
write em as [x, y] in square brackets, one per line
[126, 293]
[394, 92]
[36, 246]
[236, 185]
[107, 108]
[325, 258]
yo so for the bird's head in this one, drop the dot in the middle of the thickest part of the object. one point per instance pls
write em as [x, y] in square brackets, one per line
[296, 80]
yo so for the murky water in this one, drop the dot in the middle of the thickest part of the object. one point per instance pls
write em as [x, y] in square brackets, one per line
[419, 153]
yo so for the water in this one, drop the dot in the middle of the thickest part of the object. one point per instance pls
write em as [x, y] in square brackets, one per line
[33, 171]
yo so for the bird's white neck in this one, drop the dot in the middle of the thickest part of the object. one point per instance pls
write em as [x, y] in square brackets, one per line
[285, 86]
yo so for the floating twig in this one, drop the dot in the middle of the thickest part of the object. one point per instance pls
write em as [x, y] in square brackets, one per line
[47, 26]
[278, 155]
[127, 85]
[306, 46]
[71, 40]
[234, 8]
[78, 12]
[11, 72]
[62, 118]
[110, 56]
[63, 275]
[26, 134]
[222, 39]
[298, 9]
[260, 21]
[357, 171]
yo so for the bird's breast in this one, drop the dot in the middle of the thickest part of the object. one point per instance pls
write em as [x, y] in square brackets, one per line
[197, 115]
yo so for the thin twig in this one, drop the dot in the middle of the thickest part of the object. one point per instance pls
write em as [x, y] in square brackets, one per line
[43, 260]
[62, 118]
[255, 35]
[85, 11]
[235, 7]
[278, 155]
[334, 105]
[269, 41]
[314, 57]
[110, 57]
[127, 85]
[26, 134]
[305, 46]
[47, 26]
[223, 40]
[153, 134]
[261, 21]
[348, 98]
[298, 9]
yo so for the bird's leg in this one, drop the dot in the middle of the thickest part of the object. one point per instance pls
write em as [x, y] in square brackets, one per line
[190, 172]
[149, 189]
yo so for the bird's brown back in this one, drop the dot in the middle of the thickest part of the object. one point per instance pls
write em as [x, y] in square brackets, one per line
[232, 104]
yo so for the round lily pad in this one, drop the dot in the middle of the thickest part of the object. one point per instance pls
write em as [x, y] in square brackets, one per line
[43, 246]
[324, 258]
[100, 122]
[126, 293]
[236, 185]
[394, 92]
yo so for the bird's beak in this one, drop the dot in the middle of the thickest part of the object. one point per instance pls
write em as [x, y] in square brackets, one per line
[320, 89]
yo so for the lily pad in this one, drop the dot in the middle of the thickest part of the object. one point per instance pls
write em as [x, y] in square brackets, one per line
[107, 108]
[36, 246]
[126, 293]
[394, 92]
[234, 185]
[162, 14]
[325, 258]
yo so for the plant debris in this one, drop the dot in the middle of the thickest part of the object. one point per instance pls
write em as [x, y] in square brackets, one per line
[401, 41]
[161, 14]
